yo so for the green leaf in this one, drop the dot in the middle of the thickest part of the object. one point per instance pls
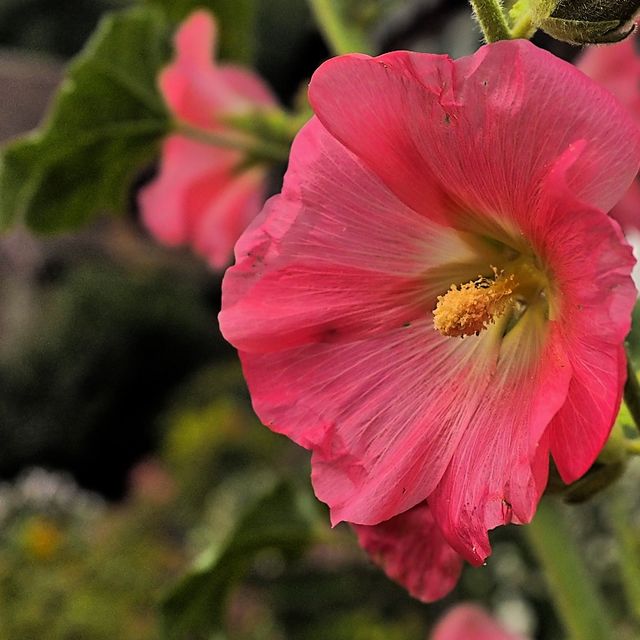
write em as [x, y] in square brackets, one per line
[236, 21]
[105, 123]
[277, 519]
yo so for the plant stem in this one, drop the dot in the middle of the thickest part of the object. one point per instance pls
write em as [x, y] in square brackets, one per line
[628, 551]
[257, 149]
[632, 392]
[576, 598]
[341, 37]
[492, 20]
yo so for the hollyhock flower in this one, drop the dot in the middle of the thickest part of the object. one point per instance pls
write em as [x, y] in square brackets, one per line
[617, 68]
[470, 622]
[201, 196]
[437, 301]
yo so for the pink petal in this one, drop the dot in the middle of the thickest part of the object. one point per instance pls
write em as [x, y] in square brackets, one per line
[616, 67]
[592, 266]
[627, 211]
[196, 89]
[485, 127]
[227, 215]
[191, 175]
[499, 469]
[412, 551]
[470, 622]
[246, 84]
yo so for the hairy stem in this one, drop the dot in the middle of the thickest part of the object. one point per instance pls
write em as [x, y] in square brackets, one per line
[492, 20]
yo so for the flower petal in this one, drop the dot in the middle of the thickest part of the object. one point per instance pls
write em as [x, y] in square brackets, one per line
[419, 120]
[616, 67]
[227, 215]
[470, 622]
[191, 176]
[592, 266]
[499, 469]
[412, 551]
[196, 89]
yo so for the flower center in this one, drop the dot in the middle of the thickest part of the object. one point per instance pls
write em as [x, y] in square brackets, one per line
[467, 310]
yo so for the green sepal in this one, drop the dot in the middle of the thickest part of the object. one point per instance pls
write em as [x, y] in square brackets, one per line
[590, 21]
[580, 32]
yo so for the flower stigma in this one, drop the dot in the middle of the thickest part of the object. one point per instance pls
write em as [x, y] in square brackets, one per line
[470, 308]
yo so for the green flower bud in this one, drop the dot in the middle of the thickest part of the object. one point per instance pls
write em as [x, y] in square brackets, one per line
[589, 21]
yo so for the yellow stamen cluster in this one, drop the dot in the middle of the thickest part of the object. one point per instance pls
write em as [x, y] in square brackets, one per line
[468, 310]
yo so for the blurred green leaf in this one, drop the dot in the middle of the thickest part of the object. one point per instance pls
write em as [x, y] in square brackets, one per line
[277, 519]
[105, 123]
[236, 21]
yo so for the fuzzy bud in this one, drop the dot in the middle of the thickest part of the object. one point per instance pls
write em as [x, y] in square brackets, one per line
[589, 21]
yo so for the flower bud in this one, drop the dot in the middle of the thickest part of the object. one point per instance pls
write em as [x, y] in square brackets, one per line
[590, 21]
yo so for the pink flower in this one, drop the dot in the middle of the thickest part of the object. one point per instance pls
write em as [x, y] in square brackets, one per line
[470, 622]
[430, 199]
[201, 197]
[617, 67]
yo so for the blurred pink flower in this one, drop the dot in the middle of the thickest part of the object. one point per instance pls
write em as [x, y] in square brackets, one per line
[470, 622]
[617, 67]
[201, 197]
[431, 199]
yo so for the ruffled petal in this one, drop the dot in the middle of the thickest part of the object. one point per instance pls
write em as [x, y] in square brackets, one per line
[470, 622]
[412, 551]
[485, 128]
[499, 469]
[592, 266]
[374, 411]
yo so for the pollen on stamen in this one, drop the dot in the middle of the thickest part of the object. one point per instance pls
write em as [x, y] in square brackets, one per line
[470, 308]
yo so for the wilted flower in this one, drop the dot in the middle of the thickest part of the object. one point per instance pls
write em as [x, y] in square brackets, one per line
[471, 193]
[204, 196]
[470, 622]
[617, 67]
